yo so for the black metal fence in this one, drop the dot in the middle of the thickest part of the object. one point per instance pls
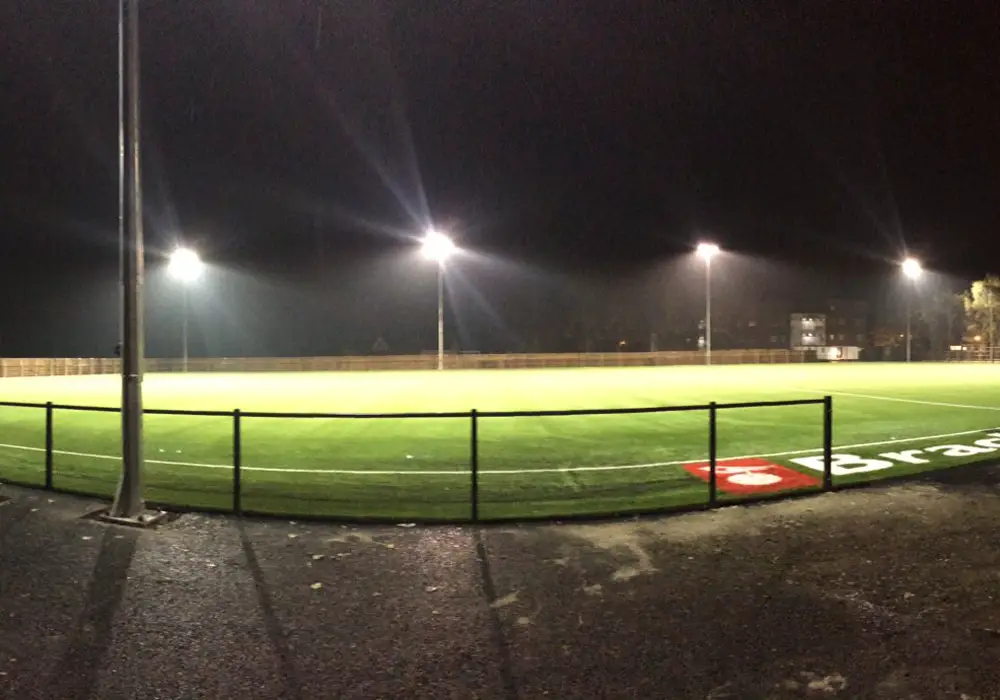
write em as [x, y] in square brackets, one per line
[474, 417]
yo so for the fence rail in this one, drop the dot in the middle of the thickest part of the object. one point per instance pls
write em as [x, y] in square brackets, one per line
[43, 367]
[236, 504]
[974, 355]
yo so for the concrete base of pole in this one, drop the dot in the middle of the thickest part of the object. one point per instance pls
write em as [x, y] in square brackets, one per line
[145, 519]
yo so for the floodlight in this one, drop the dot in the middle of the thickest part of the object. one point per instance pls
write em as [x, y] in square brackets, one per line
[185, 265]
[912, 268]
[437, 246]
[707, 251]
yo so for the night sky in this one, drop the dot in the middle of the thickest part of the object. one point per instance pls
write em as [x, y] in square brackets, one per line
[302, 144]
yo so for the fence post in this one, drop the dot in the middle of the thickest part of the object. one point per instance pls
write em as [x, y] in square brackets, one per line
[48, 446]
[827, 443]
[237, 459]
[712, 454]
[474, 463]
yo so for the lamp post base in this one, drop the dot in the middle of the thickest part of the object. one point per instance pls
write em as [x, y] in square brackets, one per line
[145, 519]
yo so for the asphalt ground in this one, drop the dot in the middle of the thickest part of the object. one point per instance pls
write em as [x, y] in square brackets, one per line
[885, 592]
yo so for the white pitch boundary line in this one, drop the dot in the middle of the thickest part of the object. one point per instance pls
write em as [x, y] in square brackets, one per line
[899, 400]
[542, 470]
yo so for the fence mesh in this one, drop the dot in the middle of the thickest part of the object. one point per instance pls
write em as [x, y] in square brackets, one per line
[535, 466]
[87, 451]
[22, 444]
[756, 444]
[454, 467]
[398, 468]
[189, 460]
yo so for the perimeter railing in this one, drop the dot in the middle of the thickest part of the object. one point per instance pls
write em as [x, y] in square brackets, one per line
[76, 449]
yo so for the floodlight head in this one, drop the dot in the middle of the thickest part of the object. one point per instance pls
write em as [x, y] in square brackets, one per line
[707, 251]
[912, 268]
[437, 246]
[185, 265]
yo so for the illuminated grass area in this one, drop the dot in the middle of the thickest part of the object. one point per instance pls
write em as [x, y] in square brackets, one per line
[529, 466]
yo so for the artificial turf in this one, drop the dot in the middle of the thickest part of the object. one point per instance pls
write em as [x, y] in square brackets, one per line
[529, 466]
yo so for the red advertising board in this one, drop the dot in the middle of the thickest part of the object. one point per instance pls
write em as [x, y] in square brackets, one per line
[752, 475]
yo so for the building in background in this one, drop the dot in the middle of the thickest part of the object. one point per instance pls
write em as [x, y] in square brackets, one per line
[807, 331]
[847, 323]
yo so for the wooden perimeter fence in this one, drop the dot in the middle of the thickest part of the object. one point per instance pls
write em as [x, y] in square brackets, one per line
[47, 367]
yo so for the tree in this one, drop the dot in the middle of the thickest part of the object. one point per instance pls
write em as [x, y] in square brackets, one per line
[982, 310]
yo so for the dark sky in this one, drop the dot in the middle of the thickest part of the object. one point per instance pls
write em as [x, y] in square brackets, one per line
[308, 138]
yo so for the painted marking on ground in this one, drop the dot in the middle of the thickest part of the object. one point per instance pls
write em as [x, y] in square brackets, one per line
[900, 400]
[465, 472]
[751, 476]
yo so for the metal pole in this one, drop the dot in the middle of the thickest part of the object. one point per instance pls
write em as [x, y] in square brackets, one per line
[184, 326]
[237, 464]
[908, 335]
[48, 446]
[474, 464]
[827, 443]
[708, 311]
[713, 452]
[441, 315]
[993, 342]
[128, 499]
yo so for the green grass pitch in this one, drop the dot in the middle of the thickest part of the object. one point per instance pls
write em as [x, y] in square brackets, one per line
[924, 416]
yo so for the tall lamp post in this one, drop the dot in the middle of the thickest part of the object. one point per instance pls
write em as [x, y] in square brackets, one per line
[128, 502]
[913, 270]
[185, 266]
[707, 251]
[438, 247]
[992, 328]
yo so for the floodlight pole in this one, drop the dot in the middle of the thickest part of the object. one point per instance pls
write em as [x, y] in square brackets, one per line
[909, 338]
[708, 310]
[128, 499]
[989, 305]
[440, 363]
[184, 324]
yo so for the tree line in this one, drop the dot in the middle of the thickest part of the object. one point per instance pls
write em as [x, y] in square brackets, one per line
[943, 317]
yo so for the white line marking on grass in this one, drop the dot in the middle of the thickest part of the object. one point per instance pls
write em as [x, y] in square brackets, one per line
[202, 465]
[90, 455]
[651, 465]
[899, 400]
[541, 470]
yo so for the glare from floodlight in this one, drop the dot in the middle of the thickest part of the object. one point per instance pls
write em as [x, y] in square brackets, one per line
[437, 246]
[185, 265]
[912, 268]
[707, 251]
